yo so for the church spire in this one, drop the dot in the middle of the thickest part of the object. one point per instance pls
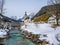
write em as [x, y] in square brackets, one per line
[25, 13]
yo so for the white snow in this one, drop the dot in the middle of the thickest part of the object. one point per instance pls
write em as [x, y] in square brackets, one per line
[38, 28]
[44, 29]
[3, 33]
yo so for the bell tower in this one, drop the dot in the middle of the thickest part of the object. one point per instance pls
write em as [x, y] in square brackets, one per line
[25, 15]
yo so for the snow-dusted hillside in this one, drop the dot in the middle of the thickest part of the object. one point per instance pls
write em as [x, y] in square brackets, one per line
[53, 35]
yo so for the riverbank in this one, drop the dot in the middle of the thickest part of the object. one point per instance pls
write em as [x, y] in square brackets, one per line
[3, 35]
[34, 38]
[47, 34]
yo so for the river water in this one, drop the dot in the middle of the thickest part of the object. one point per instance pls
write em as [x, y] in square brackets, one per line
[16, 38]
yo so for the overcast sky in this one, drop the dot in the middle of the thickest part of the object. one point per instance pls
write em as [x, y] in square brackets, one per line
[18, 7]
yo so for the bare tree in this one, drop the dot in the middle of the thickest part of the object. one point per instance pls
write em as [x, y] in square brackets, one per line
[2, 2]
[54, 8]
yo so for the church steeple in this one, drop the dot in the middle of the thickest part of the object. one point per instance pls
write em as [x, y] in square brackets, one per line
[25, 13]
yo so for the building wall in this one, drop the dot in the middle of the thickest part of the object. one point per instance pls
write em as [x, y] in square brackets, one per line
[52, 20]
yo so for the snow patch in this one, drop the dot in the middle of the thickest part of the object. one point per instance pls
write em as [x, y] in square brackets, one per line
[3, 33]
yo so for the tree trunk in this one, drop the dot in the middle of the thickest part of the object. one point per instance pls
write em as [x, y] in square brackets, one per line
[57, 21]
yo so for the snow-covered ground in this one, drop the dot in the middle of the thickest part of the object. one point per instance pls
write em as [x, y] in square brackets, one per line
[44, 29]
[3, 33]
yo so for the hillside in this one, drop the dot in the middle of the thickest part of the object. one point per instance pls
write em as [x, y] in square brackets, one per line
[44, 13]
[43, 17]
[7, 18]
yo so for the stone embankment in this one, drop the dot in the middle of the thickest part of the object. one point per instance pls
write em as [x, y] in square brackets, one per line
[34, 38]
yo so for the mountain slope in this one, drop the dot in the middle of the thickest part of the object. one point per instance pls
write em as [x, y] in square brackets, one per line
[44, 13]
[7, 18]
[43, 17]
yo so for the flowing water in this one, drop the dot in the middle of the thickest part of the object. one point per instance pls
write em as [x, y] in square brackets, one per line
[16, 38]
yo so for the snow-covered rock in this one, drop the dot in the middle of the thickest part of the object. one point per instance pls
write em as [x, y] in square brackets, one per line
[3, 33]
[51, 37]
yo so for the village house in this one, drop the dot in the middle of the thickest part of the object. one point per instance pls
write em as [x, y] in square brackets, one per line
[15, 25]
[52, 20]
